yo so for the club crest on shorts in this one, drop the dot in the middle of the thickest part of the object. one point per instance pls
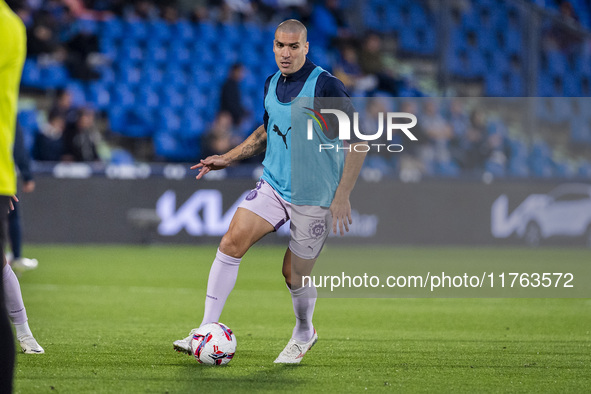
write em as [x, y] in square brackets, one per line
[252, 195]
[317, 228]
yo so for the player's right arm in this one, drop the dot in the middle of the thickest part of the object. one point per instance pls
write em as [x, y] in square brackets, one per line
[256, 143]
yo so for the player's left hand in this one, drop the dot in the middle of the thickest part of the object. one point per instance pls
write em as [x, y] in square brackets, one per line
[341, 214]
[11, 205]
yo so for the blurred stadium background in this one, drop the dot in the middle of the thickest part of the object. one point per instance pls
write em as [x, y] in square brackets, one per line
[139, 87]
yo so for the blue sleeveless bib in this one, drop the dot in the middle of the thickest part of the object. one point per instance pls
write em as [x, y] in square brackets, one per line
[293, 165]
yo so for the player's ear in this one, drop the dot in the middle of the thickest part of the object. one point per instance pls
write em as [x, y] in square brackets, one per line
[306, 47]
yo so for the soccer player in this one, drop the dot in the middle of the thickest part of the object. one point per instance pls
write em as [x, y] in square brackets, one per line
[22, 160]
[12, 58]
[270, 205]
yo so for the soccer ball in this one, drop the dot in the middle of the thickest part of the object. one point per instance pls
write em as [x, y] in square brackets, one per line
[213, 344]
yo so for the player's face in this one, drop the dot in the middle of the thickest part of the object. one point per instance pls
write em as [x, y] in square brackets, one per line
[290, 52]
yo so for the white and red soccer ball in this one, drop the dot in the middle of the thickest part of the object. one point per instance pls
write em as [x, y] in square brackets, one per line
[213, 344]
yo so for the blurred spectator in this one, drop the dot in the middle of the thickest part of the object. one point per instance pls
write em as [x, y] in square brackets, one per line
[83, 54]
[372, 62]
[169, 14]
[328, 23]
[476, 148]
[23, 162]
[221, 137]
[142, 10]
[49, 142]
[562, 34]
[63, 107]
[83, 139]
[231, 95]
[438, 132]
[42, 38]
[349, 72]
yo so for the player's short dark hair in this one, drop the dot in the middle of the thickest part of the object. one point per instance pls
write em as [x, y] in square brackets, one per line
[293, 26]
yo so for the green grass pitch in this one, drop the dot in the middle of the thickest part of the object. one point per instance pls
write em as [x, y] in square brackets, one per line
[107, 317]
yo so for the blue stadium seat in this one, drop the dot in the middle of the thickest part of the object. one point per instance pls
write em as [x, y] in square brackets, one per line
[555, 62]
[179, 53]
[147, 97]
[112, 29]
[158, 30]
[540, 162]
[580, 130]
[572, 85]
[151, 75]
[31, 73]
[192, 124]
[122, 96]
[168, 119]
[130, 49]
[136, 29]
[76, 90]
[131, 122]
[253, 32]
[174, 148]
[108, 47]
[88, 26]
[53, 76]
[156, 53]
[98, 94]
[207, 32]
[184, 31]
[128, 75]
[172, 97]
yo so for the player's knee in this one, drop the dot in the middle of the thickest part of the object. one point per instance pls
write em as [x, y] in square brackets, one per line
[232, 245]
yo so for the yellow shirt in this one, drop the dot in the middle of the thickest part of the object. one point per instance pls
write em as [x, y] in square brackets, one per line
[12, 57]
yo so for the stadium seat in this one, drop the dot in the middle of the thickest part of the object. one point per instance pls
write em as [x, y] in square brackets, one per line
[136, 29]
[192, 124]
[77, 92]
[172, 97]
[160, 31]
[184, 31]
[169, 120]
[131, 122]
[128, 75]
[53, 76]
[156, 53]
[98, 94]
[31, 73]
[174, 148]
[122, 96]
[580, 130]
[147, 97]
[112, 29]
[207, 32]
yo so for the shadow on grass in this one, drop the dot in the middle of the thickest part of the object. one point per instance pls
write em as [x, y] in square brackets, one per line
[229, 378]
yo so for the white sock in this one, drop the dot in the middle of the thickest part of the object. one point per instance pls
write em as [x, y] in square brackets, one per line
[222, 278]
[13, 297]
[304, 300]
[22, 330]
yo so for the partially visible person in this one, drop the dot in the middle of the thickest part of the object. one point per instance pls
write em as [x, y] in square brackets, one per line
[12, 58]
[81, 141]
[84, 54]
[438, 132]
[221, 137]
[49, 142]
[63, 107]
[372, 60]
[231, 95]
[23, 162]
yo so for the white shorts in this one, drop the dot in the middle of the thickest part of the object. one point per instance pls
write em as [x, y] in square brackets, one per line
[309, 226]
